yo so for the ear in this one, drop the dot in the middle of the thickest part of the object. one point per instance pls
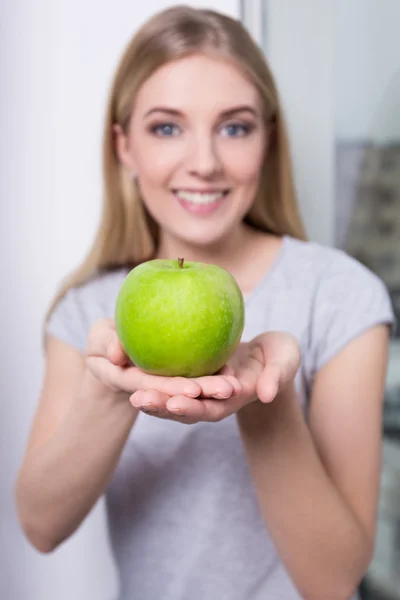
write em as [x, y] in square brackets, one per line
[123, 149]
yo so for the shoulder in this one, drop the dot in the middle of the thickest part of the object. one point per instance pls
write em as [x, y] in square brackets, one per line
[83, 304]
[100, 291]
[346, 297]
[331, 273]
[325, 261]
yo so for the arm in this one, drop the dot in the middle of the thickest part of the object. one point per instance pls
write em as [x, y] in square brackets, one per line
[81, 425]
[78, 434]
[318, 483]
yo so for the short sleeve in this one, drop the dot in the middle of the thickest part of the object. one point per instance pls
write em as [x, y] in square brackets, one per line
[349, 300]
[67, 321]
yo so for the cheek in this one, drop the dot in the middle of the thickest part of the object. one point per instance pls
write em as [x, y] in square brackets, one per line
[157, 161]
[244, 163]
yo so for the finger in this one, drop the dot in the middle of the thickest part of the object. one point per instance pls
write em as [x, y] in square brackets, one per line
[116, 354]
[135, 379]
[234, 381]
[130, 379]
[186, 410]
[218, 386]
[111, 375]
[195, 410]
[103, 341]
[150, 401]
[268, 383]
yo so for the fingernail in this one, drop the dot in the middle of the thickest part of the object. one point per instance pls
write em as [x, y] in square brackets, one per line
[147, 408]
[190, 393]
[176, 411]
[110, 349]
[222, 396]
[272, 394]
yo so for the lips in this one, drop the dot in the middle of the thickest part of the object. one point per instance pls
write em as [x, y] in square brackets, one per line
[200, 197]
[201, 203]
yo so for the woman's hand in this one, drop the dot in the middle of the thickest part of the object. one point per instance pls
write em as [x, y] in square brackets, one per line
[278, 356]
[261, 368]
[108, 363]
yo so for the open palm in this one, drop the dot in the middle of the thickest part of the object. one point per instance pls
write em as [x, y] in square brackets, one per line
[259, 368]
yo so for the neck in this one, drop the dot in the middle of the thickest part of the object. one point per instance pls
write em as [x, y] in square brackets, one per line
[245, 253]
[224, 253]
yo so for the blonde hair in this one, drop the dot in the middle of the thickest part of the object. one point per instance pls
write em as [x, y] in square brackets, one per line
[127, 235]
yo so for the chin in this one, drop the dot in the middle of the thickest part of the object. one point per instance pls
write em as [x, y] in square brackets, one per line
[202, 237]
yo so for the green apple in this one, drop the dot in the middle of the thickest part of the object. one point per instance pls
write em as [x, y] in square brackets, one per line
[179, 318]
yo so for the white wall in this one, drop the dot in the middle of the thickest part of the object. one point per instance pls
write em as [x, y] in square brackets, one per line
[56, 58]
[300, 47]
[367, 90]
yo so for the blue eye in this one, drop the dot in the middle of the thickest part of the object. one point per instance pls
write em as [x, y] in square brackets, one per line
[236, 130]
[165, 130]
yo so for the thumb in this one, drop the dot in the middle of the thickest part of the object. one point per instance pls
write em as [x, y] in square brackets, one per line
[268, 383]
[116, 353]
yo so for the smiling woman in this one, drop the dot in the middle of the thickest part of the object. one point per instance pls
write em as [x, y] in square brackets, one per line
[162, 115]
[235, 485]
[196, 151]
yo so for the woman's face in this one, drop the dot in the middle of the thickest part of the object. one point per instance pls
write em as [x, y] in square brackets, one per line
[196, 143]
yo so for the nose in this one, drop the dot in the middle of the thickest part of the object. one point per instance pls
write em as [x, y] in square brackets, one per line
[204, 160]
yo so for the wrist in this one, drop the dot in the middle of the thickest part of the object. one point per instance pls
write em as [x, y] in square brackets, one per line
[93, 391]
[267, 418]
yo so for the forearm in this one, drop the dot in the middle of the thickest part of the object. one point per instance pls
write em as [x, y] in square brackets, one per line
[62, 479]
[317, 536]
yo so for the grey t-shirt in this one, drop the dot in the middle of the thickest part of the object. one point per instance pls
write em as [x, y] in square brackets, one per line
[183, 516]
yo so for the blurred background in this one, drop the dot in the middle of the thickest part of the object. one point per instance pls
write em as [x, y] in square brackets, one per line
[337, 63]
[367, 217]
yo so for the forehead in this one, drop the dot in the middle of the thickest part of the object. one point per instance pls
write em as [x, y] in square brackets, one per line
[194, 82]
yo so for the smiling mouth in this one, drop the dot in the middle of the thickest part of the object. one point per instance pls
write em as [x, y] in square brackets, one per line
[200, 198]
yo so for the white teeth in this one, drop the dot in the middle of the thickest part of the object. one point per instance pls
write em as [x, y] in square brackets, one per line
[198, 198]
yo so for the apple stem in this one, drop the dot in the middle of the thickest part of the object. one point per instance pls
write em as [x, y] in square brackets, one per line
[180, 262]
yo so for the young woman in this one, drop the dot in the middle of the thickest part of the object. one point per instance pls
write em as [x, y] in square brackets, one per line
[260, 482]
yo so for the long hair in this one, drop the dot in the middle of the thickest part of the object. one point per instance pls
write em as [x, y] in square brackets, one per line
[127, 235]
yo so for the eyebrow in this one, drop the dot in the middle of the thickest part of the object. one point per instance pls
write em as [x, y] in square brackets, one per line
[226, 113]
